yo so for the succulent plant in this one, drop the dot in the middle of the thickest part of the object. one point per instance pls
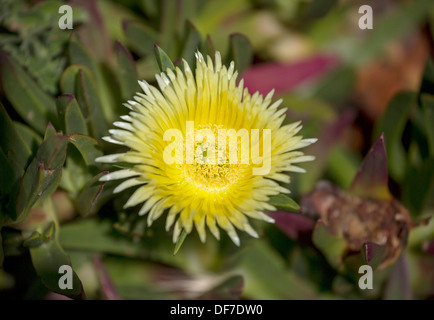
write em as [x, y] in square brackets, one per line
[62, 90]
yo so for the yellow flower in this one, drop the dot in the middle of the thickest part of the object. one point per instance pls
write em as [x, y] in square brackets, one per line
[180, 175]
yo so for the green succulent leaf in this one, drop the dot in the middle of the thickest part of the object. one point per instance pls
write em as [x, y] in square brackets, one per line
[87, 97]
[70, 115]
[88, 147]
[43, 174]
[35, 240]
[240, 51]
[49, 131]
[418, 190]
[180, 241]
[260, 264]
[333, 247]
[31, 138]
[11, 142]
[140, 37]
[87, 199]
[47, 259]
[163, 60]
[191, 43]
[126, 72]
[392, 124]
[283, 202]
[35, 106]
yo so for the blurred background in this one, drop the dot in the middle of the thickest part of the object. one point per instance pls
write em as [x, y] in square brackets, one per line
[348, 86]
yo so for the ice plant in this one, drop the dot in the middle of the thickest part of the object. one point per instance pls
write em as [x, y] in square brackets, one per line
[222, 194]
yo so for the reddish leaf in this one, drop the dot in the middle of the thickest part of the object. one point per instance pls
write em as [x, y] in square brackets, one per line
[106, 283]
[398, 285]
[284, 77]
[373, 253]
[93, 33]
[294, 225]
[371, 179]
[428, 247]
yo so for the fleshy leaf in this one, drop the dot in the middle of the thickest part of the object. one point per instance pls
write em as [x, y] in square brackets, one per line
[49, 131]
[419, 187]
[11, 142]
[163, 59]
[86, 201]
[373, 254]
[107, 287]
[35, 106]
[284, 77]
[372, 178]
[240, 51]
[284, 202]
[31, 138]
[70, 115]
[191, 43]
[295, 226]
[43, 174]
[126, 72]
[87, 97]
[398, 285]
[392, 124]
[93, 33]
[47, 260]
[78, 55]
[333, 247]
[35, 240]
[141, 38]
[88, 147]
[180, 241]
[260, 264]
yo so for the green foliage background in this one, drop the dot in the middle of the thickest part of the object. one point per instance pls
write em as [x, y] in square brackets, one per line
[61, 90]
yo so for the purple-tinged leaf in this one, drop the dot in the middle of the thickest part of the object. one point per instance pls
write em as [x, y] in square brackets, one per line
[295, 226]
[398, 285]
[428, 247]
[93, 33]
[49, 131]
[285, 77]
[373, 254]
[108, 289]
[372, 177]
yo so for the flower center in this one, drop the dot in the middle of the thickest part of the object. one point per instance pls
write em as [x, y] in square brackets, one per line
[212, 176]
